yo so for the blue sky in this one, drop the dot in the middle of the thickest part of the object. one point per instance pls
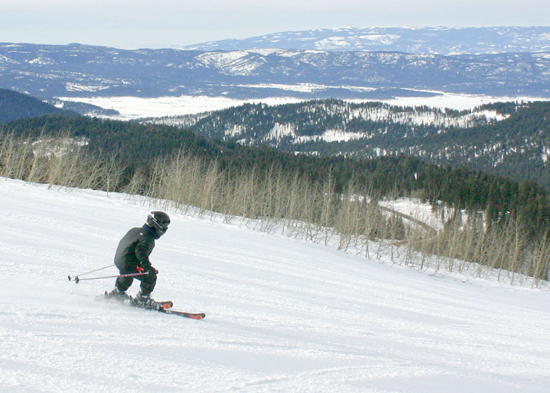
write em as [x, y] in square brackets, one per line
[168, 23]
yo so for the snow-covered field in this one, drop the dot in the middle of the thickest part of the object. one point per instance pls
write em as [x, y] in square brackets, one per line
[282, 315]
[135, 107]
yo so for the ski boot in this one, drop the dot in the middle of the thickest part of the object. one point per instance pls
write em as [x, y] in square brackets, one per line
[146, 301]
[117, 294]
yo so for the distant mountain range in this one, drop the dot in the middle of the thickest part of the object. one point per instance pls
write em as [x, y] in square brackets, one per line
[340, 63]
[427, 40]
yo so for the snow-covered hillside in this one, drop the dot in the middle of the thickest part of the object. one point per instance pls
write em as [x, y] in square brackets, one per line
[282, 315]
[325, 121]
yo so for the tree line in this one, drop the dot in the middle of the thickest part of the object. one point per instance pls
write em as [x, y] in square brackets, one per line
[135, 147]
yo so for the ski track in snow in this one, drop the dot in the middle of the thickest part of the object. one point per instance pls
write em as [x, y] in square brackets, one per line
[282, 315]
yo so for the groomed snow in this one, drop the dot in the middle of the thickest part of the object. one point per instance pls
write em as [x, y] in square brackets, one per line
[283, 315]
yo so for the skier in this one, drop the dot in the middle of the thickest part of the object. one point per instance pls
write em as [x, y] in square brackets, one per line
[132, 256]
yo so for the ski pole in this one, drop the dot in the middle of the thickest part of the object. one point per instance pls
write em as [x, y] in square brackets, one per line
[77, 279]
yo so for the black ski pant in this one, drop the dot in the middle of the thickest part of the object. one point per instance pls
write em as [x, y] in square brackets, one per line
[148, 281]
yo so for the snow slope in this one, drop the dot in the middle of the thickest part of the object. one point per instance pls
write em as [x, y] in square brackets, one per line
[282, 315]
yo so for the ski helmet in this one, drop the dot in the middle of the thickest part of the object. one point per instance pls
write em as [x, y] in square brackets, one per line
[159, 221]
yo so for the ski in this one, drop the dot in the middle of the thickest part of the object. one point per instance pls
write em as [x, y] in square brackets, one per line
[127, 299]
[182, 314]
[168, 310]
[164, 306]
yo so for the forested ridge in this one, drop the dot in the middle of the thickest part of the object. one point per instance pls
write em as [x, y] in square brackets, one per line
[510, 139]
[15, 106]
[136, 146]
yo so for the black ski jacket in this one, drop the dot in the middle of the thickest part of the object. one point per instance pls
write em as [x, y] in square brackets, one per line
[134, 249]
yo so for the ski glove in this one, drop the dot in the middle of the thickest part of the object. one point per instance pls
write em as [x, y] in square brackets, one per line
[152, 272]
